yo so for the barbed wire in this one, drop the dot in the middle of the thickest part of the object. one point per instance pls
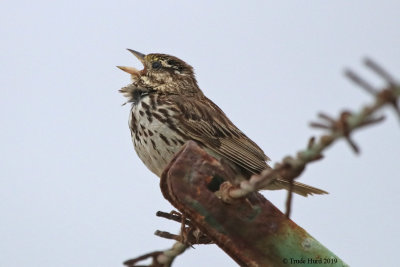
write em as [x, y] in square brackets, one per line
[347, 122]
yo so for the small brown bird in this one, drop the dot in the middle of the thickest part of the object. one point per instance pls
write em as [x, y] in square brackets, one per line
[168, 109]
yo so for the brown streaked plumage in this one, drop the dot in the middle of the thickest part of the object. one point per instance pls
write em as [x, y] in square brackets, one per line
[168, 109]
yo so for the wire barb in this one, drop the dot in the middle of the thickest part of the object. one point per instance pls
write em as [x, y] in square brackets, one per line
[360, 82]
[189, 236]
[173, 216]
[380, 71]
[153, 255]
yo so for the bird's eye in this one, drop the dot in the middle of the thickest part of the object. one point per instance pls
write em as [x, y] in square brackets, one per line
[156, 65]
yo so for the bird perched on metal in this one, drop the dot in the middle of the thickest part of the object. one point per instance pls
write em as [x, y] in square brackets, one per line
[169, 108]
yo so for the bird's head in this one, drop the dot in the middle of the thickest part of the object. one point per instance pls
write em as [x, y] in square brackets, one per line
[163, 73]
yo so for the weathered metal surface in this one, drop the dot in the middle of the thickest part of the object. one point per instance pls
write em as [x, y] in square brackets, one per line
[252, 231]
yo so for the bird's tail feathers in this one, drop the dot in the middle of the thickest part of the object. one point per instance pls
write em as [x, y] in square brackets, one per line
[298, 188]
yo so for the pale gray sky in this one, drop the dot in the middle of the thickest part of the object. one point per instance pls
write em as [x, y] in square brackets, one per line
[74, 193]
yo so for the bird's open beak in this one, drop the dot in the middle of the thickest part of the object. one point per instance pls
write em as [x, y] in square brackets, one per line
[132, 70]
[137, 54]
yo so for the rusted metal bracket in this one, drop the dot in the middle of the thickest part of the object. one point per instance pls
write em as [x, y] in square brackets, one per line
[251, 231]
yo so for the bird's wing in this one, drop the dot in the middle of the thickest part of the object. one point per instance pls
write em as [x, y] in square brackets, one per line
[203, 121]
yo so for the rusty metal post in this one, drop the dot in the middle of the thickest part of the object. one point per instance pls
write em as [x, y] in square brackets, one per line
[251, 231]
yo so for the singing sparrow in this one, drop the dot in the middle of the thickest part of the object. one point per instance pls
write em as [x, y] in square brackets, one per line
[168, 109]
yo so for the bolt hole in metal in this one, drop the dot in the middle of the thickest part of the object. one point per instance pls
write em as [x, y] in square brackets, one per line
[215, 182]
